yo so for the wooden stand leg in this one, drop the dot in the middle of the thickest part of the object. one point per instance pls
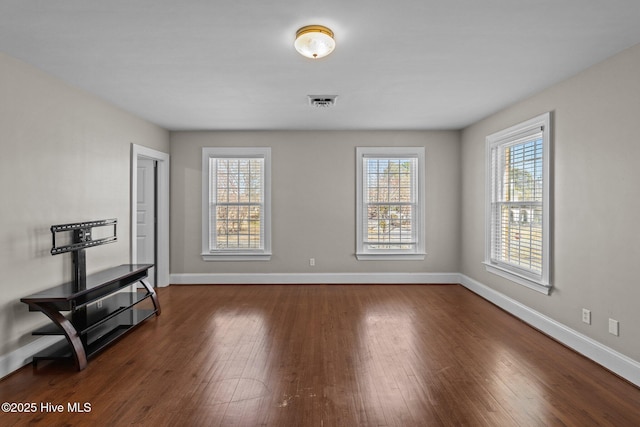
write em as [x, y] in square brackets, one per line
[70, 332]
[154, 296]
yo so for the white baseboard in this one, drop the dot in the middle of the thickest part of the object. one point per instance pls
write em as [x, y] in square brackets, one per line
[612, 360]
[15, 360]
[313, 278]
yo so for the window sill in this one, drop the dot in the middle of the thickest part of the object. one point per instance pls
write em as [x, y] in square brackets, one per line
[536, 285]
[236, 257]
[390, 257]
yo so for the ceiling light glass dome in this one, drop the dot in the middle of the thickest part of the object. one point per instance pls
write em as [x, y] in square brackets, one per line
[314, 41]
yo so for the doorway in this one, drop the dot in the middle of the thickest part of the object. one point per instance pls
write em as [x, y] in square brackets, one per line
[150, 212]
[146, 215]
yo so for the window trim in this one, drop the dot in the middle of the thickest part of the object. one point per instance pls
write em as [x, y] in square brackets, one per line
[418, 254]
[263, 254]
[542, 282]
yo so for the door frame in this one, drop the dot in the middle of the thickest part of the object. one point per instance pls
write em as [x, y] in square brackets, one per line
[162, 189]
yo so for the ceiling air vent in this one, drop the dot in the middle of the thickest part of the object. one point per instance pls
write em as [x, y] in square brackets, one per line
[322, 101]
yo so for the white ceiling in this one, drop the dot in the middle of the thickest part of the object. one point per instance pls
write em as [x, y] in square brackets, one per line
[398, 64]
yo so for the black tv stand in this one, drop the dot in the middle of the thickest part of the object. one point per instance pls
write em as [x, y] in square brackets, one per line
[100, 311]
[96, 320]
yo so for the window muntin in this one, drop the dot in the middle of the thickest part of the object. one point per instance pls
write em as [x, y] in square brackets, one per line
[236, 204]
[518, 203]
[390, 206]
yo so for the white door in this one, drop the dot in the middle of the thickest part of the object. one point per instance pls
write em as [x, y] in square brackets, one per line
[146, 215]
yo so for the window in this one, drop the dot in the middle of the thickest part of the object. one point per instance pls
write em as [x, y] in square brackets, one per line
[518, 203]
[390, 203]
[236, 204]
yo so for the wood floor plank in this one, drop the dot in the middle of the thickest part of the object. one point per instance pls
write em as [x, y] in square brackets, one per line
[328, 355]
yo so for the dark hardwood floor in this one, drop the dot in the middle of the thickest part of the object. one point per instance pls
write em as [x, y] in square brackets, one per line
[328, 355]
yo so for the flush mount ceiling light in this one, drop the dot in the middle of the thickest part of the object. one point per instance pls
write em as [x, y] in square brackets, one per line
[314, 41]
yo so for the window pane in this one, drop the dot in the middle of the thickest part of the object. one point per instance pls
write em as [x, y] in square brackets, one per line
[238, 208]
[517, 232]
[523, 175]
[390, 223]
[389, 199]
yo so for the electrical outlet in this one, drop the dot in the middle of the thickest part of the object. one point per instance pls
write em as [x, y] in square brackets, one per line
[586, 316]
[312, 262]
[614, 327]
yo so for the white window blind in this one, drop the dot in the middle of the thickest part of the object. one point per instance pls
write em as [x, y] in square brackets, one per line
[390, 203]
[516, 212]
[237, 203]
[518, 205]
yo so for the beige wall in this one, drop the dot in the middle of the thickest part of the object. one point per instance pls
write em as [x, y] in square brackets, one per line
[596, 200]
[313, 201]
[65, 158]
